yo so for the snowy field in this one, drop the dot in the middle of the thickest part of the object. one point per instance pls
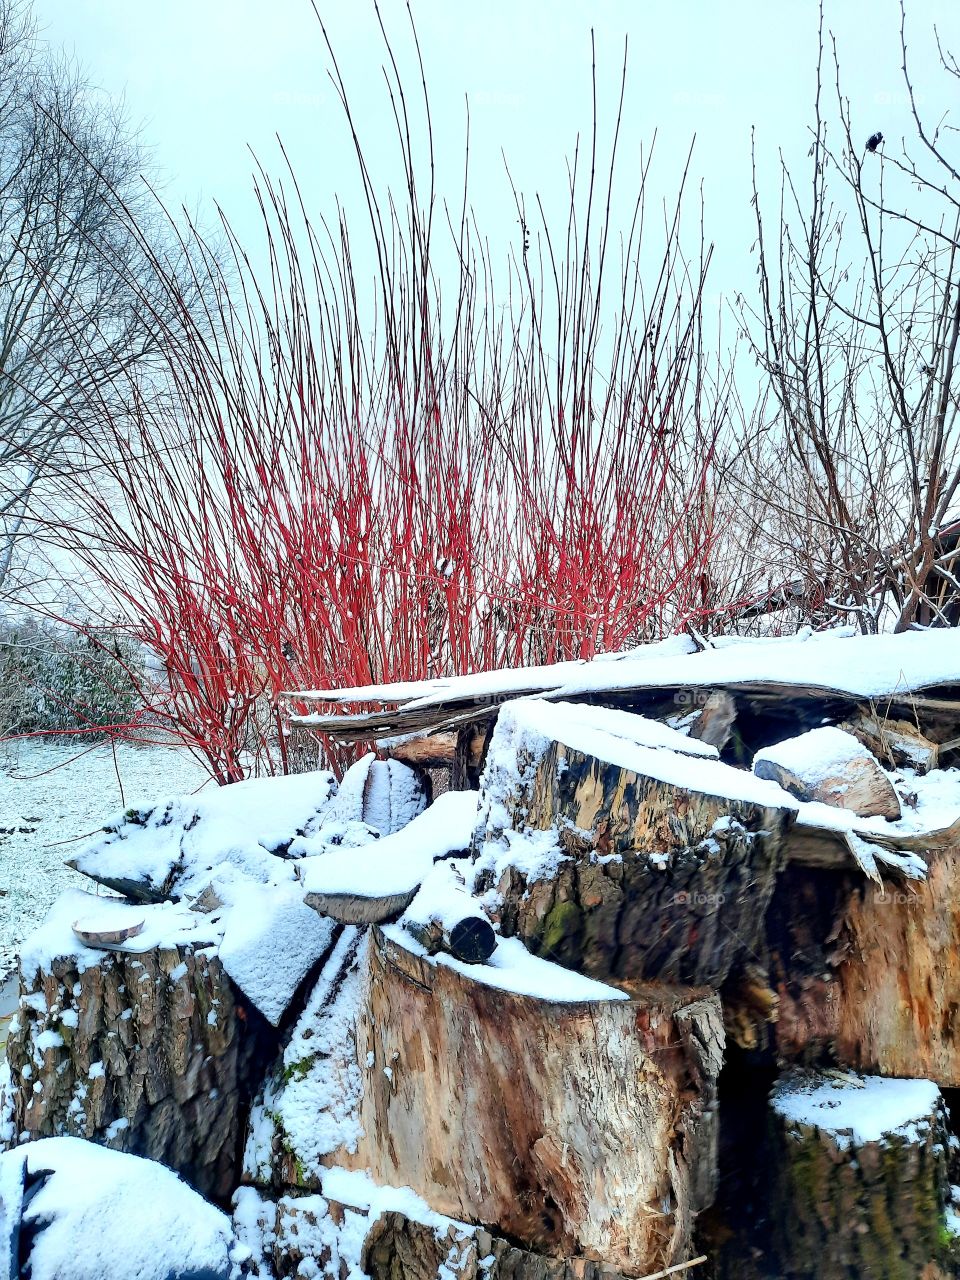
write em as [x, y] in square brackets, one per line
[53, 793]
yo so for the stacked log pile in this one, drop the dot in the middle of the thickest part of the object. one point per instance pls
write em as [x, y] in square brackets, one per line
[663, 894]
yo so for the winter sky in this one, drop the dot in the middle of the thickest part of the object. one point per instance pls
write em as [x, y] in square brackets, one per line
[207, 78]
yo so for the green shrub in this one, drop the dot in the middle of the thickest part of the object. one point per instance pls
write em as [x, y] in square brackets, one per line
[54, 680]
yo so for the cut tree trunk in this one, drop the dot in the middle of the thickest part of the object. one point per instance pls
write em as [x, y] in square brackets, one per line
[660, 883]
[151, 1053]
[853, 1204]
[868, 976]
[584, 1129]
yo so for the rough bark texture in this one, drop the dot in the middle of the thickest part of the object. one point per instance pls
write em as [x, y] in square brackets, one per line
[149, 1053]
[869, 977]
[844, 1211]
[397, 1248]
[662, 884]
[577, 1129]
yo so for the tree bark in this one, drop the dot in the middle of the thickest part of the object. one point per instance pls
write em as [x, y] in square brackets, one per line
[843, 1209]
[397, 1248]
[660, 883]
[152, 1053]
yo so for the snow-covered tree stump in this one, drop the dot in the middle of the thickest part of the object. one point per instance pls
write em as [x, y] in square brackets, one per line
[149, 1053]
[574, 1121]
[667, 857]
[860, 1179]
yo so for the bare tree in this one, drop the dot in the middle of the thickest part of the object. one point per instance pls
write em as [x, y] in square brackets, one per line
[76, 307]
[855, 445]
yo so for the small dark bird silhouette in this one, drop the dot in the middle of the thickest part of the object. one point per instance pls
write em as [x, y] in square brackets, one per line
[874, 141]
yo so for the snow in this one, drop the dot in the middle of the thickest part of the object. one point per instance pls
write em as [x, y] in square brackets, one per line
[271, 939]
[535, 854]
[165, 924]
[365, 1201]
[443, 896]
[816, 755]
[528, 725]
[512, 968]
[864, 666]
[393, 796]
[312, 1102]
[267, 937]
[857, 1109]
[505, 680]
[357, 1190]
[634, 728]
[398, 863]
[305, 1225]
[51, 792]
[104, 1215]
[170, 848]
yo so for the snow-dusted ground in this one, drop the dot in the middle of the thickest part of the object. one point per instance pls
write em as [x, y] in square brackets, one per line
[52, 792]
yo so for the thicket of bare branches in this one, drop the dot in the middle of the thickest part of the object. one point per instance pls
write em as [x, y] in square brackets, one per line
[852, 476]
[77, 309]
[478, 462]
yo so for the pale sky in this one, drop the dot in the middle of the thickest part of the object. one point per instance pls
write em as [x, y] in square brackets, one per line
[205, 78]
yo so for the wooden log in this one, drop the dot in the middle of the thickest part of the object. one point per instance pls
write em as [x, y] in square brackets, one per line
[355, 908]
[832, 767]
[859, 1184]
[580, 1129]
[896, 743]
[659, 882]
[430, 751]
[469, 938]
[152, 1053]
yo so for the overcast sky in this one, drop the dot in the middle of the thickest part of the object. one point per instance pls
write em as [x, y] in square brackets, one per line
[207, 78]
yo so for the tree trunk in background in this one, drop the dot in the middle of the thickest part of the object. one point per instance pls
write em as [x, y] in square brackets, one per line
[842, 1209]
